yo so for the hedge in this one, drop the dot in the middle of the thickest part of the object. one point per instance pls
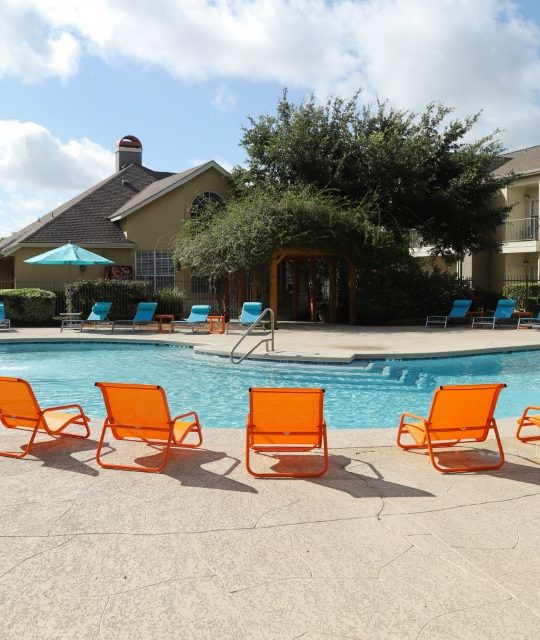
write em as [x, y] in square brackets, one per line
[526, 295]
[124, 295]
[395, 290]
[28, 306]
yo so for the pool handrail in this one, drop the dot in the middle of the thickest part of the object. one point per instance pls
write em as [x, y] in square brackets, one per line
[265, 341]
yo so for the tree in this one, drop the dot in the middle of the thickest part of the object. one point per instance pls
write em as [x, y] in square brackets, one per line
[416, 170]
[251, 227]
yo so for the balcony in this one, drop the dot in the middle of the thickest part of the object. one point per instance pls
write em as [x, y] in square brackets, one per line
[522, 229]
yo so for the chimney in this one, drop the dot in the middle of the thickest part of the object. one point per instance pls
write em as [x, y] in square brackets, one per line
[128, 151]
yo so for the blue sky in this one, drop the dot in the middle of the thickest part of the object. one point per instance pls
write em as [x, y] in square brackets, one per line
[184, 75]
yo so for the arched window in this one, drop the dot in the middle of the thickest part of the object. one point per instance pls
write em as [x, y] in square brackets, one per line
[201, 201]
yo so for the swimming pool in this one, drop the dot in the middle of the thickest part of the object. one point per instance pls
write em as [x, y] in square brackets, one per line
[362, 394]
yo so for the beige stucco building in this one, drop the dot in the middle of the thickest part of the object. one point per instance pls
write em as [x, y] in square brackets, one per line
[519, 258]
[131, 218]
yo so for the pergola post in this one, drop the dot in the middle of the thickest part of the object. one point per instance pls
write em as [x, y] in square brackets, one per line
[352, 291]
[274, 285]
[240, 289]
[296, 289]
[312, 301]
[332, 283]
[227, 295]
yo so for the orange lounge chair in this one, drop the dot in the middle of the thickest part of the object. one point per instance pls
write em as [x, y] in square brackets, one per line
[19, 409]
[458, 413]
[286, 420]
[140, 412]
[528, 420]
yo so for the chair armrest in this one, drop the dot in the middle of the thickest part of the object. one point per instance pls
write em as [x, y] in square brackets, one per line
[185, 415]
[527, 409]
[65, 406]
[412, 415]
[481, 318]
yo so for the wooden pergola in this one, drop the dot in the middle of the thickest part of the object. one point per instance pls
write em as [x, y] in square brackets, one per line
[312, 255]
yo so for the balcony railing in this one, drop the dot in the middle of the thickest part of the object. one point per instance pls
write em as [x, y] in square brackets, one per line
[521, 229]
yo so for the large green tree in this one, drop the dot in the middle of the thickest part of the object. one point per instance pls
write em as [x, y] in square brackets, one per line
[420, 172]
[250, 228]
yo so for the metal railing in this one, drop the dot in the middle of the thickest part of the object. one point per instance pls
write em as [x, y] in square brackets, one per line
[248, 332]
[520, 229]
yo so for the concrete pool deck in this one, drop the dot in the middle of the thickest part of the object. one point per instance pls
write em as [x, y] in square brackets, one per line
[381, 547]
[318, 342]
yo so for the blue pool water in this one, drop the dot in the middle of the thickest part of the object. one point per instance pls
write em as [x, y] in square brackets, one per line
[367, 394]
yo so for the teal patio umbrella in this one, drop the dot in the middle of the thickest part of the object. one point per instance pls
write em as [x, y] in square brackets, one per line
[69, 254]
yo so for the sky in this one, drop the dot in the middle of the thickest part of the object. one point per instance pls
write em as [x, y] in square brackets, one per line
[184, 76]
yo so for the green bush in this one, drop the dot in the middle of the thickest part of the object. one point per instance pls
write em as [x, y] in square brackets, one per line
[124, 295]
[526, 295]
[28, 306]
[169, 301]
[395, 289]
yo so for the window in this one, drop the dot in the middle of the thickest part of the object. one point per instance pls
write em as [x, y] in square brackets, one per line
[156, 267]
[200, 203]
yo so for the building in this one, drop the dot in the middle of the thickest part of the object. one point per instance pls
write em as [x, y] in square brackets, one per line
[519, 258]
[130, 218]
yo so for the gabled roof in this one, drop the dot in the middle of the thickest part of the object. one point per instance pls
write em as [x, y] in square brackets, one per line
[522, 161]
[161, 187]
[91, 217]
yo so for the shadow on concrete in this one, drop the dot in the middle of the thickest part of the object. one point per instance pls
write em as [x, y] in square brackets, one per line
[355, 477]
[188, 467]
[58, 454]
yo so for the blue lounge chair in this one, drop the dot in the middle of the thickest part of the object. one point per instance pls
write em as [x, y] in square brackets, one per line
[98, 315]
[525, 323]
[250, 312]
[198, 315]
[143, 316]
[459, 309]
[504, 311]
[4, 322]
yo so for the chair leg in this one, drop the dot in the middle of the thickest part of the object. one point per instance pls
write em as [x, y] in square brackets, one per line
[196, 429]
[521, 425]
[124, 467]
[316, 474]
[26, 450]
[471, 468]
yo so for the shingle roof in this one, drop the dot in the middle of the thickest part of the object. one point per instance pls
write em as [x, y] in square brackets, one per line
[85, 218]
[172, 181]
[520, 161]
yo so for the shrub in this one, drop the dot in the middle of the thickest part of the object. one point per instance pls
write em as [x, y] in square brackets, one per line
[396, 289]
[124, 295]
[29, 306]
[526, 295]
[169, 300]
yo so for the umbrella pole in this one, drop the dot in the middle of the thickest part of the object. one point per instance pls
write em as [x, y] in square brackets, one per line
[68, 305]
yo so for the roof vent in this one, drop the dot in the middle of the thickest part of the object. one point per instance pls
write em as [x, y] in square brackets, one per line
[128, 151]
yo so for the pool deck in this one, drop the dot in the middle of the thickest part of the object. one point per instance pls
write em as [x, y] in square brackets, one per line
[318, 342]
[381, 547]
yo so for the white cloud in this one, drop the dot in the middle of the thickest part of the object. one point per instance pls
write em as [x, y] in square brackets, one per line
[472, 54]
[225, 98]
[38, 171]
[31, 47]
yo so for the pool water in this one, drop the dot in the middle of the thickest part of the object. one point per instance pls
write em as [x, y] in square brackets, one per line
[362, 394]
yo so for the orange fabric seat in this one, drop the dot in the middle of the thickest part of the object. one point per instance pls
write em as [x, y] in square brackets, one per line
[140, 412]
[286, 420]
[19, 409]
[458, 413]
[528, 420]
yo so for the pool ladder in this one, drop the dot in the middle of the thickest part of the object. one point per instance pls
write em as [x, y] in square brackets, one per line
[249, 330]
